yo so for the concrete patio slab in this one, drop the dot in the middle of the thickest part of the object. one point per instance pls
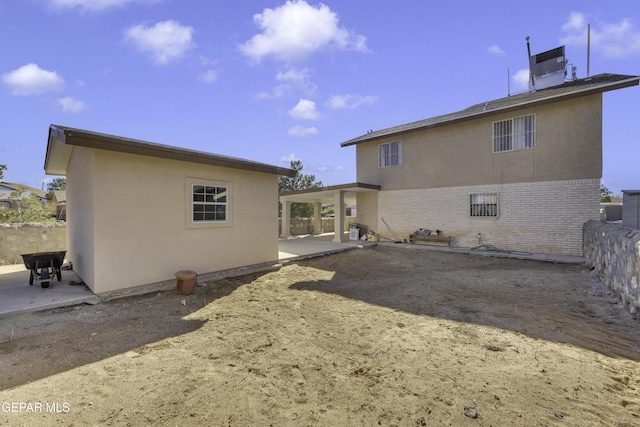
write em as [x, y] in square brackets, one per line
[307, 246]
[16, 296]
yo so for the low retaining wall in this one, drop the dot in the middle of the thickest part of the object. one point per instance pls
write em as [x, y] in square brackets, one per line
[17, 239]
[302, 226]
[614, 253]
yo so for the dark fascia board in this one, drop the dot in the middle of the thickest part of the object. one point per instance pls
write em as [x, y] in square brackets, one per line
[584, 87]
[357, 186]
[84, 138]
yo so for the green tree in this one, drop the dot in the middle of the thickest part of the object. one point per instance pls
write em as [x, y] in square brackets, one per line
[2, 169]
[56, 184]
[605, 194]
[299, 182]
[27, 209]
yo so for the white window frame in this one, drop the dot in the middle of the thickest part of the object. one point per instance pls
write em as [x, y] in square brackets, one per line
[484, 205]
[390, 154]
[214, 200]
[518, 133]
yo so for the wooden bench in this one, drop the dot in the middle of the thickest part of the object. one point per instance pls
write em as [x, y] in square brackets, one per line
[430, 239]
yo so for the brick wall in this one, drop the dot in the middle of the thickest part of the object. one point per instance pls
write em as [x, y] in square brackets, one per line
[537, 217]
[17, 239]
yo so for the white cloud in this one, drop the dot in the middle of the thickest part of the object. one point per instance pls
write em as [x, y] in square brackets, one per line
[299, 80]
[277, 92]
[619, 40]
[295, 30]
[94, 5]
[495, 49]
[70, 105]
[294, 75]
[166, 41]
[350, 102]
[32, 80]
[207, 62]
[305, 110]
[302, 132]
[521, 80]
[290, 158]
[293, 81]
[208, 76]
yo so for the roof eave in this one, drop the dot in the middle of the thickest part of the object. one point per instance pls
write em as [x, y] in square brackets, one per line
[81, 138]
[384, 133]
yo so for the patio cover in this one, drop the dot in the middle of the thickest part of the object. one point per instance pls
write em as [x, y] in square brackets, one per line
[338, 195]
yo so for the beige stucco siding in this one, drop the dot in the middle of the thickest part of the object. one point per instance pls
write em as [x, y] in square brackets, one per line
[141, 213]
[80, 212]
[567, 146]
[367, 203]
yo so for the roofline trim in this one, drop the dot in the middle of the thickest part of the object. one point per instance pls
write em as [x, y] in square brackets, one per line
[407, 128]
[346, 187]
[83, 138]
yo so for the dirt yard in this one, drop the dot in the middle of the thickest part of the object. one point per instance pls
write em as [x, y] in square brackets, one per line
[384, 336]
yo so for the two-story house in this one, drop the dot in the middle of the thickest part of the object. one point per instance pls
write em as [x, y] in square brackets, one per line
[520, 173]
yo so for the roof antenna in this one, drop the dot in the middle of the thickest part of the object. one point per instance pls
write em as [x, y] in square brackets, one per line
[532, 83]
[588, 49]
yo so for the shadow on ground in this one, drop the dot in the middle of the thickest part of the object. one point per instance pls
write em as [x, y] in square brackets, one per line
[556, 302]
[98, 331]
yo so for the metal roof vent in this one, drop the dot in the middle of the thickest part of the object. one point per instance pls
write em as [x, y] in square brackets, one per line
[547, 68]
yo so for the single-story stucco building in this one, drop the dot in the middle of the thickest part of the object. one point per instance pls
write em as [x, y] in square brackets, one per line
[137, 212]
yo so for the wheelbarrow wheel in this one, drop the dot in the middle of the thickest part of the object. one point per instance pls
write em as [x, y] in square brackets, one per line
[44, 284]
[30, 277]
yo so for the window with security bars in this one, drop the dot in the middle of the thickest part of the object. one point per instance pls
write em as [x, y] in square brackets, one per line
[484, 204]
[514, 134]
[209, 203]
[390, 154]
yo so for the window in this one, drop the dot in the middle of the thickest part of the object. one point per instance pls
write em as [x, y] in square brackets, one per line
[514, 134]
[390, 154]
[484, 204]
[209, 203]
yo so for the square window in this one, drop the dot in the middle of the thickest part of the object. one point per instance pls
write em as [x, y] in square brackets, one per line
[514, 134]
[484, 205]
[390, 154]
[209, 203]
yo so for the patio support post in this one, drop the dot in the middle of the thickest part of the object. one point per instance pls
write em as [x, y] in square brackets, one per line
[339, 211]
[317, 218]
[286, 220]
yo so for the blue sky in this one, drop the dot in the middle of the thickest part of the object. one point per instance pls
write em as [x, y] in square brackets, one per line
[274, 81]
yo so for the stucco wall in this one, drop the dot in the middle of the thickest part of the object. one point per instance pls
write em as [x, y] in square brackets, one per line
[614, 252]
[18, 239]
[537, 217]
[368, 210]
[140, 211]
[568, 143]
[80, 212]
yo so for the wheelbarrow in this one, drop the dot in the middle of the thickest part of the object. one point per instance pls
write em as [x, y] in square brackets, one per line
[43, 266]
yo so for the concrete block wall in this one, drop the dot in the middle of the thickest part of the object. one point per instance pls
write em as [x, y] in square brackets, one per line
[537, 217]
[614, 253]
[18, 239]
[302, 226]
